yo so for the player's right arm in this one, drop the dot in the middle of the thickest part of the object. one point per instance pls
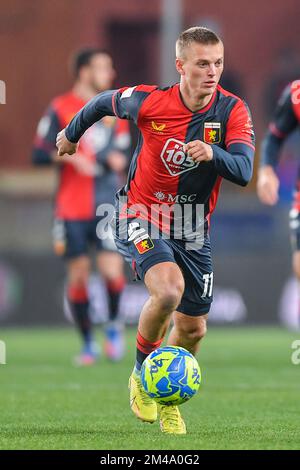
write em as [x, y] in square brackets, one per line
[283, 124]
[124, 103]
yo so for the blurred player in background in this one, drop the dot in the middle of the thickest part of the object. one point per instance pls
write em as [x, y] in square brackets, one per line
[192, 135]
[85, 182]
[286, 119]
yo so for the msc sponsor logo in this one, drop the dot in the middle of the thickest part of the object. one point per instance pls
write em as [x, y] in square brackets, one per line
[160, 195]
[174, 158]
[177, 198]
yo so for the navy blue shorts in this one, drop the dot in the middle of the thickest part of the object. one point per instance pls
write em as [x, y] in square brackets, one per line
[76, 236]
[143, 252]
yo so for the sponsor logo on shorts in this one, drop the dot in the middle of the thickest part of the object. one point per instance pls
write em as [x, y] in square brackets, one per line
[140, 238]
[143, 246]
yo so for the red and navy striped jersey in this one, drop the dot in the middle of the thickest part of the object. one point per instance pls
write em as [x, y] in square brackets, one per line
[160, 172]
[79, 194]
[287, 113]
[286, 120]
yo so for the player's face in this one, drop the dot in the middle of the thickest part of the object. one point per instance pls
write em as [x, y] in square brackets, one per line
[102, 72]
[202, 67]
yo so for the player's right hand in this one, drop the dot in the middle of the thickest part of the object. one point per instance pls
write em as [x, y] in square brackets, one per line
[267, 186]
[64, 145]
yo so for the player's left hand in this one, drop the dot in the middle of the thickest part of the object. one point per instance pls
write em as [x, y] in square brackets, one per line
[199, 151]
[64, 145]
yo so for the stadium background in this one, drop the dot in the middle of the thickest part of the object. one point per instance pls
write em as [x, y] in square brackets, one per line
[251, 242]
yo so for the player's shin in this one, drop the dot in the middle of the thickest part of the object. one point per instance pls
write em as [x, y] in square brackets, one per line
[143, 349]
[114, 288]
[79, 305]
[114, 330]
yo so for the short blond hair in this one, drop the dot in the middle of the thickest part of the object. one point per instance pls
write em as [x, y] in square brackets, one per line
[198, 34]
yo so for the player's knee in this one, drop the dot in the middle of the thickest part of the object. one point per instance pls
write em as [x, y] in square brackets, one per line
[78, 276]
[78, 280]
[168, 297]
[167, 301]
[195, 332]
[110, 265]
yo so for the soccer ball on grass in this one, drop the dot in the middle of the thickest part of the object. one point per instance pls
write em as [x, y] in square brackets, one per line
[171, 375]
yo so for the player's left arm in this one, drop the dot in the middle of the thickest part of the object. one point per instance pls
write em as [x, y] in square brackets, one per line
[236, 162]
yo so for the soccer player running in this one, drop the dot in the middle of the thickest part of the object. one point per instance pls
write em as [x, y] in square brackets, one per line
[286, 119]
[192, 135]
[90, 179]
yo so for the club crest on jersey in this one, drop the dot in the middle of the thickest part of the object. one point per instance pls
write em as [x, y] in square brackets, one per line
[212, 132]
[174, 158]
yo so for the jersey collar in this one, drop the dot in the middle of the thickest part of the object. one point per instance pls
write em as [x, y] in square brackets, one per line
[200, 111]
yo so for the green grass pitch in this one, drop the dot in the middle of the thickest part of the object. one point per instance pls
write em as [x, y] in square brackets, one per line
[249, 397]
